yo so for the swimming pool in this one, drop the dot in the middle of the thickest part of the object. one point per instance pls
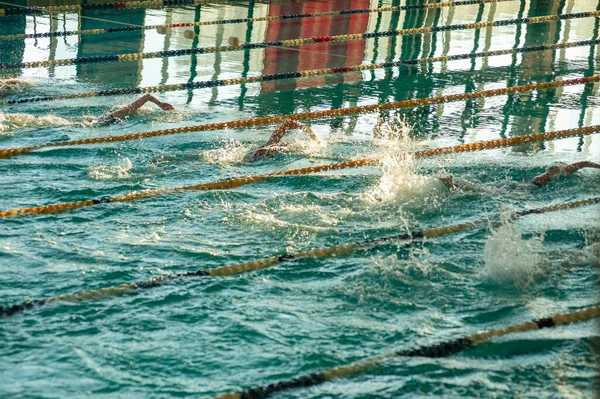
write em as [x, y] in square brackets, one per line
[203, 337]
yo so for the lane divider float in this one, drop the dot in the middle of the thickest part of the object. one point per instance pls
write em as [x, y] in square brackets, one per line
[333, 113]
[434, 351]
[319, 253]
[240, 181]
[118, 5]
[298, 74]
[166, 27]
[294, 42]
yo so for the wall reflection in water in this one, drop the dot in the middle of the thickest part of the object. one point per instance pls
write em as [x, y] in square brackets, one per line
[514, 115]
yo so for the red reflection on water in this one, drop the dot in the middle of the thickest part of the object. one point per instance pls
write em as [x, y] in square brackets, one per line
[319, 55]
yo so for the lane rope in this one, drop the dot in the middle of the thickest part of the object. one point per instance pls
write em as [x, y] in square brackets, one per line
[162, 28]
[334, 113]
[240, 181]
[433, 351]
[298, 74]
[294, 42]
[119, 5]
[260, 264]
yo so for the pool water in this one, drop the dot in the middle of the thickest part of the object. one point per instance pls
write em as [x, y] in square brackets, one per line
[205, 337]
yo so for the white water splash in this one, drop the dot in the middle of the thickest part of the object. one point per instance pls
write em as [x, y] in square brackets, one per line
[416, 264]
[400, 182]
[89, 121]
[298, 219]
[395, 130]
[229, 151]
[146, 114]
[11, 122]
[576, 258]
[511, 260]
[10, 87]
[151, 113]
[110, 172]
[303, 146]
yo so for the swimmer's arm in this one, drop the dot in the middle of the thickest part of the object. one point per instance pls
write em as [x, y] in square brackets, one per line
[566, 170]
[570, 169]
[137, 104]
[285, 127]
[268, 149]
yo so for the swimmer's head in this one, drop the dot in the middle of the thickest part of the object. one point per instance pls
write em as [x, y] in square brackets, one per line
[89, 120]
[448, 181]
[258, 155]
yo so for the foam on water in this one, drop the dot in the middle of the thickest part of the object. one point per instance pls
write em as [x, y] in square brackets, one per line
[415, 265]
[298, 217]
[308, 148]
[509, 259]
[11, 122]
[110, 172]
[228, 151]
[10, 87]
[145, 114]
[151, 113]
[575, 258]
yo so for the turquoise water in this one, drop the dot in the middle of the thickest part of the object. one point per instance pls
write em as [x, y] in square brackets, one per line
[198, 338]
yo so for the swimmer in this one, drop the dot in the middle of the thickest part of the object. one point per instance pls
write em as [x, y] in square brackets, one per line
[117, 116]
[15, 121]
[273, 146]
[537, 181]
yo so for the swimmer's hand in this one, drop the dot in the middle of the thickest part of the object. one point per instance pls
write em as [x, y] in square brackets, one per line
[166, 106]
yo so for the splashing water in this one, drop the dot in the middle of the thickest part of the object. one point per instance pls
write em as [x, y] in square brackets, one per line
[110, 172]
[150, 113]
[298, 212]
[576, 258]
[89, 121]
[229, 151]
[400, 182]
[510, 259]
[11, 122]
[393, 134]
[10, 87]
[305, 147]
[146, 114]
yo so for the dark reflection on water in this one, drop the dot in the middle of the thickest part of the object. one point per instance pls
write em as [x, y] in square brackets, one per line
[129, 73]
[12, 51]
[529, 111]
